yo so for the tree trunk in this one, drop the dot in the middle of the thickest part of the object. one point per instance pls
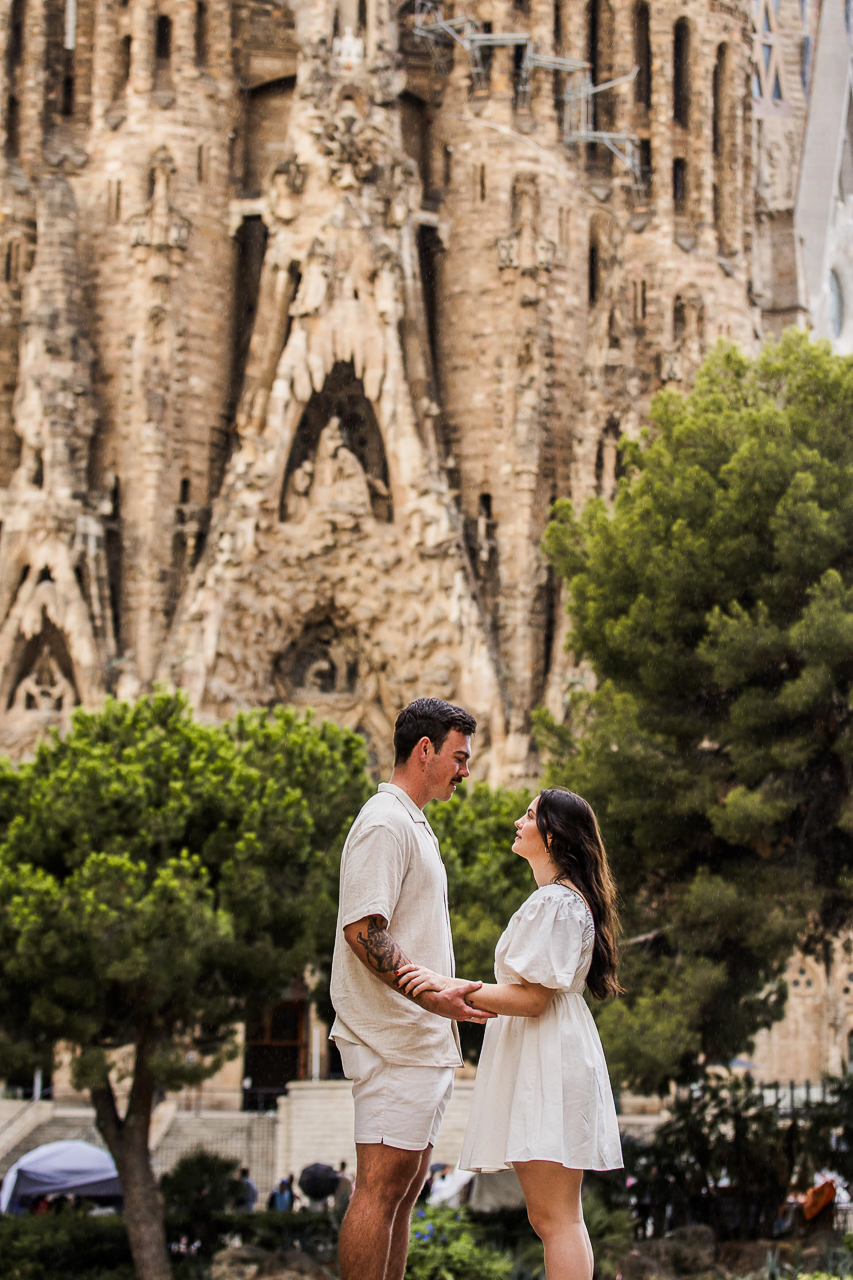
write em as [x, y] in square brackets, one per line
[127, 1140]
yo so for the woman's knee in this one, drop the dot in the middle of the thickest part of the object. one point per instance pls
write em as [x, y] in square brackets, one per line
[549, 1219]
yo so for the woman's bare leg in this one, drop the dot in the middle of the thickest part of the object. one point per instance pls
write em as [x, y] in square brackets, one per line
[553, 1195]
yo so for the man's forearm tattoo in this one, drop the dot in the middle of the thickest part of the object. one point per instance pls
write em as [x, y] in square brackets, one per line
[383, 954]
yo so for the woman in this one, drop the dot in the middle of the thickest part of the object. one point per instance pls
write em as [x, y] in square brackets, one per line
[542, 1101]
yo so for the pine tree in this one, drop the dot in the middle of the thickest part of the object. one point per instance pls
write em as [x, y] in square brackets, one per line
[715, 606]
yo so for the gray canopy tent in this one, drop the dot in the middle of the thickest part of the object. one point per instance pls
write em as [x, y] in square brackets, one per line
[60, 1168]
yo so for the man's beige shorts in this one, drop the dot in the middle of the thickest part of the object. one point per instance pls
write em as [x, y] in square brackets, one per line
[398, 1106]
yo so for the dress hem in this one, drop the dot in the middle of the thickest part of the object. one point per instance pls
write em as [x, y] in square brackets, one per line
[502, 1168]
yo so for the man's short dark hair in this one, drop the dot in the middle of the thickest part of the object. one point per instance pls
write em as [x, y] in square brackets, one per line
[428, 718]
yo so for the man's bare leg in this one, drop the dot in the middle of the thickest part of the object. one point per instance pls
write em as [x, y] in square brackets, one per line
[399, 1251]
[383, 1181]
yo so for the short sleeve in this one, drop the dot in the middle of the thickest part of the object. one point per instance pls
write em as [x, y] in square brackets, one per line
[546, 942]
[372, 873]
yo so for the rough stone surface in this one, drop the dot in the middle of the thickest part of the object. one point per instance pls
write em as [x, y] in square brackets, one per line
[245, 1262]
[305, 321]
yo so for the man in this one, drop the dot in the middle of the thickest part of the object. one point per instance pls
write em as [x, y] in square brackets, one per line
[343, 1191]
[247, 1196]
[401, 1059]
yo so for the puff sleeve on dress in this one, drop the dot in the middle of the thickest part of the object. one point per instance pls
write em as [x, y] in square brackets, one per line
[546, 943]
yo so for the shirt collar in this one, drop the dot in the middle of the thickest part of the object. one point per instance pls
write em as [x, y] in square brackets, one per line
[406, 801]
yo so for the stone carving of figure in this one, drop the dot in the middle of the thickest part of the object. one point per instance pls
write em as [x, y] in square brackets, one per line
[348, 49]
[297, 495]
[339, 480]
[45, 688]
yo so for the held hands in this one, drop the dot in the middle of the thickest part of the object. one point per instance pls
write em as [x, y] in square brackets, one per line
[444, 996]
[414, 980]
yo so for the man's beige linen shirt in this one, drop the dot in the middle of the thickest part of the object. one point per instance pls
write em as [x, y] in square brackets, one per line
[391, 867]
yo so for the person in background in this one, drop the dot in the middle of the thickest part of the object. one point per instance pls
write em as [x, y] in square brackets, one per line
[247, 1197]
[281, 1197]
[343, 1191]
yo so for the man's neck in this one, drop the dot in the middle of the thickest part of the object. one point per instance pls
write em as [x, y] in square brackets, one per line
[413, 785]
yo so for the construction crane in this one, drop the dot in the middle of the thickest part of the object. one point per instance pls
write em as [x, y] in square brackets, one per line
[442, 35]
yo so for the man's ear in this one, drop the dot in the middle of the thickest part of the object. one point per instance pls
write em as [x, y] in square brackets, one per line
[423, 748]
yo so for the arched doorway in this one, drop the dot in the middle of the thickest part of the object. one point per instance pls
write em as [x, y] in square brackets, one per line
[338, 455]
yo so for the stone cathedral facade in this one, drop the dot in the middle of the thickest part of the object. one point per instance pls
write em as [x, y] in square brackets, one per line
[309, 311]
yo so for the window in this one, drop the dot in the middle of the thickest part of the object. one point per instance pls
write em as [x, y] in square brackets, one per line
[13, 127]
[199, 164]
[185, 492]
[646, 163]
[679, 319]
[767, 78]
[594, 269]
[486, 54]
[593, 24]
[681, 73]
[68, 96]
[679, 184]
[836, 304]
[15, 47]
[163, 39]
[482, 182]
[485, 506]
[639, 301]
[448, 165]
[642, 56]
[718, 101]
[806, 62]
[123, 70]
[201, 35]
[520, 90]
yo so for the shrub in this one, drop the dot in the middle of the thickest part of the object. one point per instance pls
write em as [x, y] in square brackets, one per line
[197, 1192]
[72, 1244]
[444, 1246]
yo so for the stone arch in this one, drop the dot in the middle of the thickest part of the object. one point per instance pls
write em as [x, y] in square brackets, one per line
[44, 679]
[329, 668]
[338, 455]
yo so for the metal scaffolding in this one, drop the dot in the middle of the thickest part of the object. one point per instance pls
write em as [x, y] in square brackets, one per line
[442, 35]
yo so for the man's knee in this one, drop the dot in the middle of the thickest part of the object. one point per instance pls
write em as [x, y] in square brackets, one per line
[390, 1174]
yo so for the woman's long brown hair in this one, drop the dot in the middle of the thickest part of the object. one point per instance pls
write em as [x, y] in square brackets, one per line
[570, 831]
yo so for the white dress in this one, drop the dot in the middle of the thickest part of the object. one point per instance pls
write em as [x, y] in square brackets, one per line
[542, 1090]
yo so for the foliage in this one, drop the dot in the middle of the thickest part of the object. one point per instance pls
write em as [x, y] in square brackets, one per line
[315, 1234]
[608, 1227]
[158, 872]
[715, 606]
[729, 1155]
[201, 1183]
[200, 1187]
[161, 879]
[73, 1245]
[444, 1246]
[70, 1244]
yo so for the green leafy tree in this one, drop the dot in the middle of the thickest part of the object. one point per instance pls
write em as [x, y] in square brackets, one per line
[156, 886]
[486, 881]
[715, 606]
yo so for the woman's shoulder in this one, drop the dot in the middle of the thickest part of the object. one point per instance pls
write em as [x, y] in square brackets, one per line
[556, 900]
